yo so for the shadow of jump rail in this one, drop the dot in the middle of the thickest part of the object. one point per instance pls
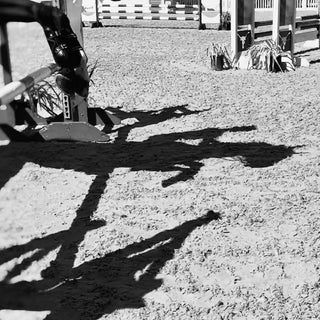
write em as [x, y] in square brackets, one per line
[160, 153]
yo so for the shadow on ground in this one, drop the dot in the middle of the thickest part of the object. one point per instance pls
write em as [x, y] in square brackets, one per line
[164, 153]
[99, 286]
[108, 283]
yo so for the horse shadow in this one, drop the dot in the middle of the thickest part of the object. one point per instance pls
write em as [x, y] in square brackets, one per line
[143, 118]
[108, 283]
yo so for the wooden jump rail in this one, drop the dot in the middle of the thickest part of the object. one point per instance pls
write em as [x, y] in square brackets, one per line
[177, 6]
[148, 11]
[306, 22]
[181, 6]
[180, 18]
[13, 89]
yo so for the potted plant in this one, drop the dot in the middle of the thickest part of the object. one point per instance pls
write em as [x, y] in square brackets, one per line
[219, 57]
[270, 56]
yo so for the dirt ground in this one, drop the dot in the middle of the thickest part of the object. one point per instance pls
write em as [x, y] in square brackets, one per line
[204, 204]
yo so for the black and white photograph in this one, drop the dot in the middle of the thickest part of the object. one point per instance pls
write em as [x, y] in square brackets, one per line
[159, 159]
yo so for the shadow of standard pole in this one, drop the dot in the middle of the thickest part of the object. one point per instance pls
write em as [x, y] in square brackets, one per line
[201, 25]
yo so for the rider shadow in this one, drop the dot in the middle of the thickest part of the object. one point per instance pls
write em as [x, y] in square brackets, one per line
[182, 152]
[114, 275]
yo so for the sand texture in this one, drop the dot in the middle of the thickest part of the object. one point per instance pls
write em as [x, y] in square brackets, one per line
[204, 205]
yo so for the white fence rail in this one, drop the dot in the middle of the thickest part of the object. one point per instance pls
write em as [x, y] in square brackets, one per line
[301, 4]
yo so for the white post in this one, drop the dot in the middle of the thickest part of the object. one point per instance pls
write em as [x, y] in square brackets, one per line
[234, 27]
[253, 19]
[304, 4]
[293, 28]
[276, 21]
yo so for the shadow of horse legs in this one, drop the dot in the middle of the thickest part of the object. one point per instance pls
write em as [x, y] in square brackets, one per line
[100, 286]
